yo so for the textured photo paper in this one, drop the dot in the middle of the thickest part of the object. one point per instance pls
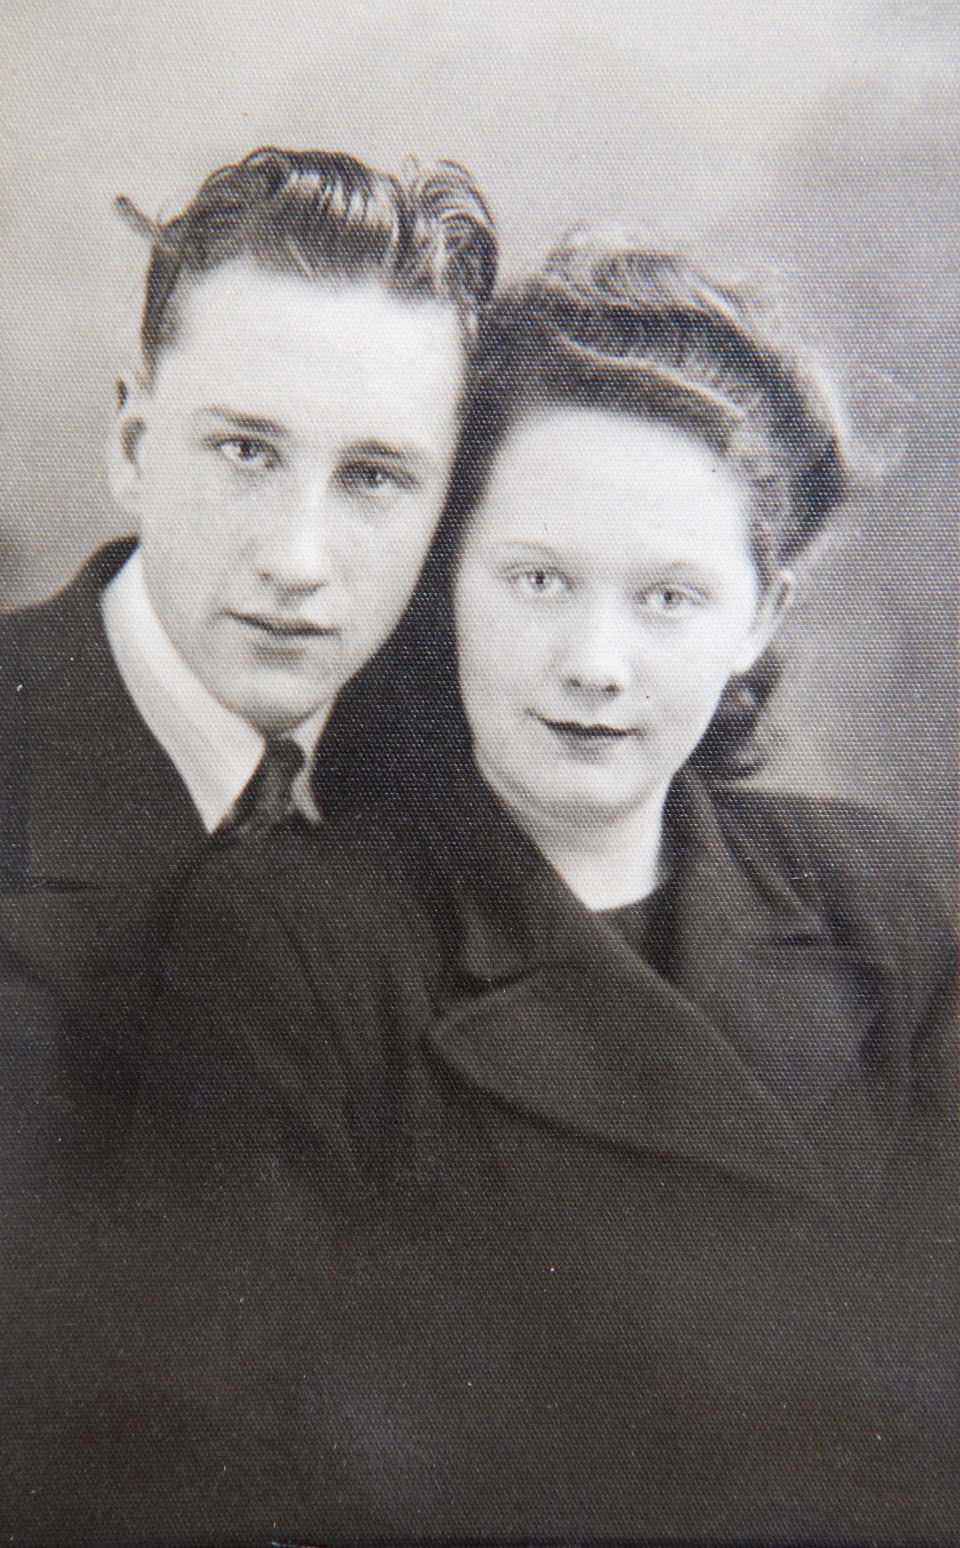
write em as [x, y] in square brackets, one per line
[377, 1161]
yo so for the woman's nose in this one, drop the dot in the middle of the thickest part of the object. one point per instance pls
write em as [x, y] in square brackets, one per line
[596, 658]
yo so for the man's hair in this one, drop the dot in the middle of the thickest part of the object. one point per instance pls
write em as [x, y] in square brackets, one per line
[321, 215]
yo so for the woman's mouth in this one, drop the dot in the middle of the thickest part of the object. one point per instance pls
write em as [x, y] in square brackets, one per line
[587, 737]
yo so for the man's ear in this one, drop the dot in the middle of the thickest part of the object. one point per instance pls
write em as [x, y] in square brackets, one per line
[773, 608]
[123, 444]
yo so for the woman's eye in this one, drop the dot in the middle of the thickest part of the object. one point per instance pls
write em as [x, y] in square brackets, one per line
[539, 582]
[670, 600]
[373, 478]
[245, 451]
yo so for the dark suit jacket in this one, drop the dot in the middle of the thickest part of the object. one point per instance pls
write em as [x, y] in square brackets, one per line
[97, 832]
[449, 1216]
[95, 823]
[96, 820]
[97, 828]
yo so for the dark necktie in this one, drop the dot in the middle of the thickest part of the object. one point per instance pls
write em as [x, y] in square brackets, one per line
[268, 799]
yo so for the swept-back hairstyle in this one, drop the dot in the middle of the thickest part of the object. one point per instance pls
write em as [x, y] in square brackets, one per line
[321, 215]
[608, 325]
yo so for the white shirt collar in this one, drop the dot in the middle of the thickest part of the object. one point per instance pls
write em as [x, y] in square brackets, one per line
[214, 750]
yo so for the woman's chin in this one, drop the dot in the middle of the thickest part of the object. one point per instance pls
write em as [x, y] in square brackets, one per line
[583, 806]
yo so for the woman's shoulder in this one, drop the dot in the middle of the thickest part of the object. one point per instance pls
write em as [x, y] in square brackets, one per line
[834, 833]
[850, 863]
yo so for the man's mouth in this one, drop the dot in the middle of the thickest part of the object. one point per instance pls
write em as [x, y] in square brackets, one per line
[283, 628]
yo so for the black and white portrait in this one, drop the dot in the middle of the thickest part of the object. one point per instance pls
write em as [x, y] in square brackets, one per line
[478, 1039]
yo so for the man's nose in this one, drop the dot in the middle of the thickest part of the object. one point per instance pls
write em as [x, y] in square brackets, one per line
[596, 660]
[295, 551]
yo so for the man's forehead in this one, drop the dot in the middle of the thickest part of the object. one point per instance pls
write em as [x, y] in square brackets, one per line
[245, 306]
[324, 362]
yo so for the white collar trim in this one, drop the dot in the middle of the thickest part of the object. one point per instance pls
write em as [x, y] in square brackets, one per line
[214, 750]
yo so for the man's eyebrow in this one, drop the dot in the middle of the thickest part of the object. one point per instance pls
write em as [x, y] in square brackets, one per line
[250, 424]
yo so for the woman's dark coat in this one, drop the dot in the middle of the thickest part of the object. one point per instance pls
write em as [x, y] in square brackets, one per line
[453, 1217]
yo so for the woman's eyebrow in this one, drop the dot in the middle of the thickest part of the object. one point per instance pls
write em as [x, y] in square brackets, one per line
[409, 453]
[636, 573]
[678, 568]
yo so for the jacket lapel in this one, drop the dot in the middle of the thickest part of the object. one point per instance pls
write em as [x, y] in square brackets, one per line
[732, 1064]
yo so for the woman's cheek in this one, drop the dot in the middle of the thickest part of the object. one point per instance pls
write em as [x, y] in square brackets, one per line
[501, 628]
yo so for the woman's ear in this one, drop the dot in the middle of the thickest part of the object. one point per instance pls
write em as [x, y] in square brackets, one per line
[773, 608]
[123, 445]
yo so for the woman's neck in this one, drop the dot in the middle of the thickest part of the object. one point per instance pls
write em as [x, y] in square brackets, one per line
[605, 864]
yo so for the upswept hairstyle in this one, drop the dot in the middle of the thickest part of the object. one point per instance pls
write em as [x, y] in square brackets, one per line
[608, 325]
[321, 214]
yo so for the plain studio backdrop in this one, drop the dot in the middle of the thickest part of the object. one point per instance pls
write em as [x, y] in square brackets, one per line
[811, 148]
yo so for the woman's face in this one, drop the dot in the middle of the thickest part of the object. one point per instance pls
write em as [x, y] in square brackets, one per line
[606, 592]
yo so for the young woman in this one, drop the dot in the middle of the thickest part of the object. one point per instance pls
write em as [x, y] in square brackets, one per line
[575, 1117]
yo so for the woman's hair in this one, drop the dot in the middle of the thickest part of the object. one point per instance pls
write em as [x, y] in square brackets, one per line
[610, 326]
[323, 215]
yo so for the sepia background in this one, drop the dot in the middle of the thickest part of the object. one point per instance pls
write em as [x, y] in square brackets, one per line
[808, 149]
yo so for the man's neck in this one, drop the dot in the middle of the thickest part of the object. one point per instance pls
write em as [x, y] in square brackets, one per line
[214, 751]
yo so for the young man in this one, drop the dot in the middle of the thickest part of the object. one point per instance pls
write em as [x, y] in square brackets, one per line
[282, 450]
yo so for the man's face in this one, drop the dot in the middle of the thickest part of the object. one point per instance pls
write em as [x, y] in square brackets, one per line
[286, 468]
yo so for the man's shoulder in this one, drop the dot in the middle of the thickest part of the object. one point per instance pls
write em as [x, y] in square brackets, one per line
[51, 654]
[36, 635]
[84, 787]
[374, 850]
[18, 632]
[337, 883]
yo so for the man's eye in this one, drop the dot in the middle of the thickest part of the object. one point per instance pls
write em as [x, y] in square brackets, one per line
[539, 582]
[373, 478]
[245, 451]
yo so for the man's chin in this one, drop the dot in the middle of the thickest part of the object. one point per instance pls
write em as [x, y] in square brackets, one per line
[273, 714]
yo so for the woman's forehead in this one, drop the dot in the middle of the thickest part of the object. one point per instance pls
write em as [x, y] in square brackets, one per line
[608, 484]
